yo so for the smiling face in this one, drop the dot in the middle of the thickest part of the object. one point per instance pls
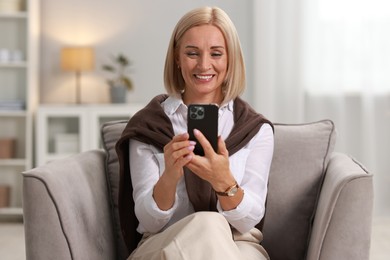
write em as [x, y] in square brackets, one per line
[202, 58]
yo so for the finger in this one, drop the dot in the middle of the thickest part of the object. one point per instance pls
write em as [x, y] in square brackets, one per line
[175, 165]
[176, 155]
[182, 161]
[186, 159]
[222, 147]
[178, 142]
[181, 137]
[184, 144]
[203, 142]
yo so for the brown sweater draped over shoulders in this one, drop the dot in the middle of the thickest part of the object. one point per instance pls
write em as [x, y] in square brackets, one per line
[152, 126]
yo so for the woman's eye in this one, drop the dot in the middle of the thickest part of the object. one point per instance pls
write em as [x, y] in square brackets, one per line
[216, 54]
[192, 53]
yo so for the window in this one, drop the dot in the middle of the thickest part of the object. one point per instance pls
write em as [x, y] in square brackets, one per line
[346, 46]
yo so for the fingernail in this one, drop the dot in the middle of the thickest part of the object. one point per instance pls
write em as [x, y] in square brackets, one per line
[196, 131]
[192, 143]
[191, 148]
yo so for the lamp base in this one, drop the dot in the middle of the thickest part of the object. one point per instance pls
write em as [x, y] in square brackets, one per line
[78, 88]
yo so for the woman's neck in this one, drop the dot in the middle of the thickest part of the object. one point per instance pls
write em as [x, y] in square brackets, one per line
[213, 98]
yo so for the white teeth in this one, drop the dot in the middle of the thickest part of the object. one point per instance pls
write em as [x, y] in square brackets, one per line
[204, 77]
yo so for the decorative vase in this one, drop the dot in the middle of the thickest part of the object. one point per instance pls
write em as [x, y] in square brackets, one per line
[118, 94]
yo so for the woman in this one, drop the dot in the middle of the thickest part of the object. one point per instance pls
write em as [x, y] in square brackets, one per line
[189, 206]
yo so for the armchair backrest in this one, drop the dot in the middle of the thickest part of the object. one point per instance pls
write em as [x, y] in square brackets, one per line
[300, 159]
[301, 156]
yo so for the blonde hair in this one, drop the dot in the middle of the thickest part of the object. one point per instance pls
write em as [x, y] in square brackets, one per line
[234, 83]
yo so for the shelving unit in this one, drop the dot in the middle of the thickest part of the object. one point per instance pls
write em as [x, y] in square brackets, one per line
[18, 96]
[63, 130]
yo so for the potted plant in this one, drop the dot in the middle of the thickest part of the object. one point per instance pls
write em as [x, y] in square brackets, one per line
[120, 83]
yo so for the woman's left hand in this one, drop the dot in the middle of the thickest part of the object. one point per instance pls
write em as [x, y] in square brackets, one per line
[212, 167]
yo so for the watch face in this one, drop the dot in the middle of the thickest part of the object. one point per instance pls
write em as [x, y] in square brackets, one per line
[233, 191]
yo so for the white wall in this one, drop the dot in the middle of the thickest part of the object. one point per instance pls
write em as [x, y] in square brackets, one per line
[139, 29]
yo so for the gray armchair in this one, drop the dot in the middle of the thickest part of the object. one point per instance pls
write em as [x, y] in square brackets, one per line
[319, 203]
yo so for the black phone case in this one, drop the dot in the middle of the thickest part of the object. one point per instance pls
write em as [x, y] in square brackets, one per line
[203, 117]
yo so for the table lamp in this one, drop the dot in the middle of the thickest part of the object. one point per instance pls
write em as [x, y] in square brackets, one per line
[77, 59]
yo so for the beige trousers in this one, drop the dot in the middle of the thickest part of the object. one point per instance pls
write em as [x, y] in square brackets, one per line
[202, 235]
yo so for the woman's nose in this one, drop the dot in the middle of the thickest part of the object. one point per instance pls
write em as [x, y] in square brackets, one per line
[204, 63]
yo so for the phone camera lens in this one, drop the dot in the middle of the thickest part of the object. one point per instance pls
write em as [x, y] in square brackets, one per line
[193, 116]
[200, 112]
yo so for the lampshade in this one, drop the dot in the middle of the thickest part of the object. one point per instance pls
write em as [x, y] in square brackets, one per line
[77, 58]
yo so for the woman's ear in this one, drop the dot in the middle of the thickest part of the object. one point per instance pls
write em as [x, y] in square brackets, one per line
[177, 62]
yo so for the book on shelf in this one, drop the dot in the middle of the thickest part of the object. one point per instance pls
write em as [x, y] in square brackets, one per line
[4, 195]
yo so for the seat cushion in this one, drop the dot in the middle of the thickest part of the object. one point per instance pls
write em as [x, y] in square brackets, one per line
[298, 168]
[297, 171]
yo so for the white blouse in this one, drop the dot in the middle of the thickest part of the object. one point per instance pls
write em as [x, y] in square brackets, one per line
[250, 167]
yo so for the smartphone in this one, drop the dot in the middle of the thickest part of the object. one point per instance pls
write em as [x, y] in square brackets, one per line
[203, 117]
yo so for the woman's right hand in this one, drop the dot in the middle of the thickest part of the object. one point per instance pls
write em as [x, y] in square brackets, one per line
[177, 153]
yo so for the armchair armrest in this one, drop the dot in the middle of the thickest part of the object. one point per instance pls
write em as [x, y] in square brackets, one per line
[342, 225]
[67, 211]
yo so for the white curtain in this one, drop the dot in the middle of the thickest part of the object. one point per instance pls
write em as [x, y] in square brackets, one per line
[319, 59]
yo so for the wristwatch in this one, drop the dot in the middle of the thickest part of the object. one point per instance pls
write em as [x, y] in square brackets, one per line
[230, 192]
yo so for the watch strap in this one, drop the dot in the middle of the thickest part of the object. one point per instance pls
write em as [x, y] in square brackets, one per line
[228, 190]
